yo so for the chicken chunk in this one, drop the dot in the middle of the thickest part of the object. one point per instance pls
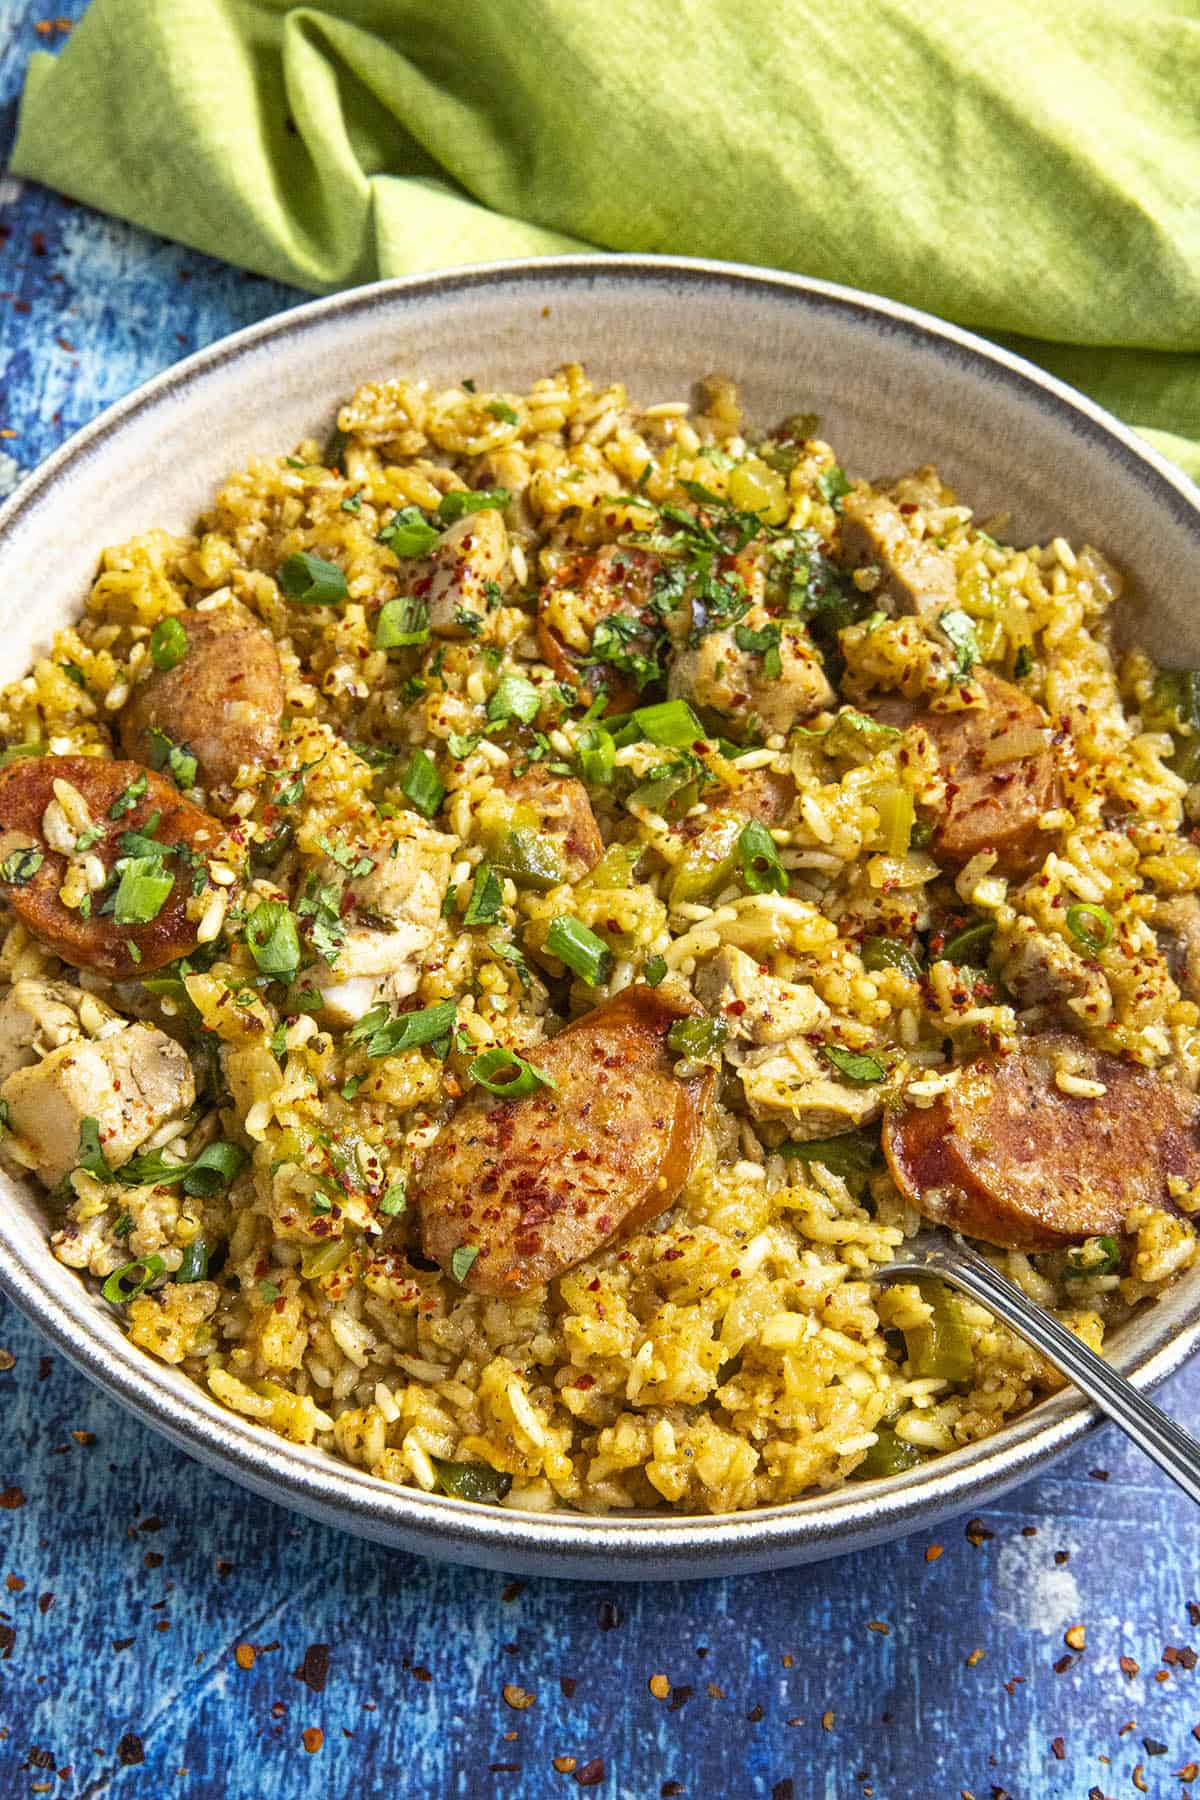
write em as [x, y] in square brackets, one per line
[1177, 925]
[534, 1185]
[917, 578]
[1015, 1154]
[36, 1017]
[1039, 969]
[223, 700]
[737, 685]
[792, 1083]
[392, 913]
[130, 1081]
[757, 1007]
[464, 575]
[556, 808]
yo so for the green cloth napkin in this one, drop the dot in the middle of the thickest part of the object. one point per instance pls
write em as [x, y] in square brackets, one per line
[1029, 168]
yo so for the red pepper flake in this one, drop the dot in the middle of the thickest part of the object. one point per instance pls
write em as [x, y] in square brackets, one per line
[511, 1591]
[660, 1686]
[566, 1765]
[609, 1615]
[7, 1359]
[1128, 1667]
[45, 1602]
[1188, 1772]
[756, 1715]
[312, 1738]
[503, 1768]
[421, 1673]
[975, 1658]
[788, 1660]
[715, 1692]
[244, 1655]
[1098, 1474]
[592, 1773]
[13, 1583]
[680, 1696]
[1059, 1748]
[1193, 1612]
[568, 1684]
[1075, 1637]
[84, 1437]
[120, 1644]
[8, 1638]
[670, 1789]
[153, 1523]
[1138, 1778]
[879, 1626]
[129, 1750]
[1063, 1664]
[1188, 1658]
[314, 1670]
[1062, 1557]
[977, 1533]
[1153, 1747]
[784, 1790]
[828, 1721]
[933, 1551]
[153, 1559]
[11, 1498]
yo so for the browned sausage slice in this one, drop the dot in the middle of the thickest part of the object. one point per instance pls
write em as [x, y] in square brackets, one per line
[98, 942]
[589, 588]
[538, 1184]
[994, 805]
[917, 577]
[564, 813]
[1006, 1156]
[223, 700]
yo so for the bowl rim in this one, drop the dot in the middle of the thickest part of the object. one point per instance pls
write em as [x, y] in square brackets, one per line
[615, 1546]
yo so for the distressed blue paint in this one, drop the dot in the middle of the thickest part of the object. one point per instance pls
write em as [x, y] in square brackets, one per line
[128, 305]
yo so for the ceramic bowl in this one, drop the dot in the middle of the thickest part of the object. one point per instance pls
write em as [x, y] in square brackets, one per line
[893, 388]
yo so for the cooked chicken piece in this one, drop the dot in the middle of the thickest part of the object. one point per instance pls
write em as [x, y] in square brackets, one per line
[223, 700]
[393, 915]
[718, 676]
[756, 1006]
[1177, 923]
[1039, 969]
[36, 1017]
[557, 807]
[793, 1083]
[131, 1082]
[470, 561]
[917, 578]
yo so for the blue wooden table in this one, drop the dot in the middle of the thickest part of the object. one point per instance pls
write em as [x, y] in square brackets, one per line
[163, 1634]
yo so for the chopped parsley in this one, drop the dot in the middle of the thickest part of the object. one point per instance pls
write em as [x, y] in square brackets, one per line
[309, 580]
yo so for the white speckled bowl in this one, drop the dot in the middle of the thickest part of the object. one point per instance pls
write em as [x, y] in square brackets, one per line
[893, 388]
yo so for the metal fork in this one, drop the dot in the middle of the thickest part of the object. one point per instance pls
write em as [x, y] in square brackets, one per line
[945, 1255]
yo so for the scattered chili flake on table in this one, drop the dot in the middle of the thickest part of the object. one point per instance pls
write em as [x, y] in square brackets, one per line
[1127, 1666]
[715, 1692]
[1063, 1664]
[1075, 1637]
[1059, 1748]
[11, 1498]
[314, 1669]
[592, 1773]
[129, 1750]
[517, 1697]
[1188, 1772]
[568, 1684]
[933, 1551]
[828, 1721]
[975, 1658]
[680, 1696]
[977, 1533]
[784, 1790]
[879, 1626]
[660, 1686]
[511, 1591]
[608, 1616]
[243, 1656]
[788, 1660]
[312, 1737]
[565, 1765]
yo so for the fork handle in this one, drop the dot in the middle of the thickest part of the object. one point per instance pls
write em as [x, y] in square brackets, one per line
[1174, 1450]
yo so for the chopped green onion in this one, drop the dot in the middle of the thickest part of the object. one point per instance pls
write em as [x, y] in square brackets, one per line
[89, 1155]
[213, 1170]
[699, 1040]
[401, 624]
[499, 410]
[888, 1455]
[409, 533]
[129, 796]
[142, 892]
[854, 1065]
[762, 870]
[583, 952]
[889, 953]
[273, 939]
[460, 501]
[832, 484]
[423, 785]
[671, 723]
[194, 1266]
[505, 1073]
[671, 789]
[168, 644]
[1090, 926]
[970, 945]
[597, 755]
[959, 627]
[515, 698]
[353, 502]
[311, 581]
[132, 1279]
[1081, 1264]
[395, 1201]
[20, 866]
[472, 1481]
[655, 970]
[462, 1260]
[386, 1035]
[487, 896]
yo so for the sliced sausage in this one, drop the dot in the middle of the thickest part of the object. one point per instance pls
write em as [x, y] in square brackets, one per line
[997, 806]
[917, 578]
[586, 590]
[98, 942]
[1008, 1157]
[562, 812]
[537, 1184]
[223, 700]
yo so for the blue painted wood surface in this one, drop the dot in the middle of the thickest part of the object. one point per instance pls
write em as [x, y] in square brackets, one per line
[133, 1575]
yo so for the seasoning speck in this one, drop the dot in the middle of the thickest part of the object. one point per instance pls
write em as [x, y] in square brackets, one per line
[1075, 1637]
[659, 1686]
[129, 1750]
[592, 1773]
[11, 1498]
[517, 1697]
[7, 1361]
[828, 1721]
[933, 1551]
[244, 1656]
[565, 1765]
[312, 1738]
[1128, 1667]
[975, 1657]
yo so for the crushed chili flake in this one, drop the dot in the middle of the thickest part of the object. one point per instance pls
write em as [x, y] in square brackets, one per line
[977, 1533]
[11, 1498]
[312, 1738]
[879, 1626]
[660, 1686]
[715, 1692]
[120, 1644]
[1062, 1557]
[1128, 1667]
[13, 1583]
[565, 1765]
[7, 1359]
[670, 1789]
[129, 1750]
[1193, 1612]
[152, 1560]
[680, 1697]
[511, 1591]
[975, 1658]
[1063, 1664]
[1075, 1637]
[1153, 1747]
[784, 1790]
[45, 1602]
[517, 1697]
[243, 1656]
[568, 1684]
[756, 1715]
[84, 1437]
[608, 1616]
[1188, 1772]
[314, 1669]
[1059, 1748]
[1129, 1725]
[592, 1773]
[933, 1551]
[1098, 1474]
[788, 1660]
[828, 1721]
